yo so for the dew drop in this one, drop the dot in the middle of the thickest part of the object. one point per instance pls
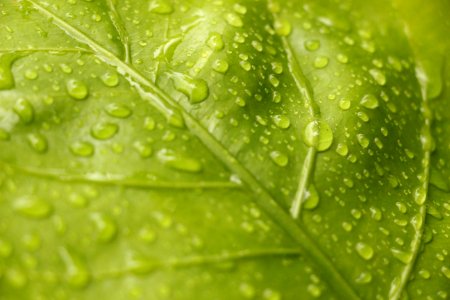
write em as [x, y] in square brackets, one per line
[31, 74]
[311, 198]
[345, 104]
[369, 101]
[162, 7]
[362, 140]
[364, 250]
[110, 79]
[77, 89]
[77, 273]
[277, 67]
[147, 235]
[420, 195]
[38, 142]
[342, 58]
[279, 158]
[118, 110]
[364, 278]
[106, 228]
[342, 149]
[282, 27]
[402, 256]
[321, 62]
[24, 110]
[245, 65]
[281, 121]
[247, 290]
[104, 131]
[446, 272]
[83, 149]
[314, 290]
[312, 45]
[318, 134]
[215, 41]
[220, 66]
[144, 149]
[33, 207]
[234, 20]
[178, 162]
[195, 89]
[378, 76]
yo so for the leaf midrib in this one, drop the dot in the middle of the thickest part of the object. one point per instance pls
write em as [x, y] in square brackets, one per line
[166, 105]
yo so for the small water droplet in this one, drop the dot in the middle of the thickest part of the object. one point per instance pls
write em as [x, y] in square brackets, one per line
[24, 110]
[342, 149]
[312, 45]
[342, 58]
[247, 290]
[420, 195]
[220, 66]
[344, 104]
[281, 121]
[321, 62]
[118, 110]
[369, 101]
[178, 162]
[83, 149]
[404, 257]
[38, 142]
[110, 79]
[31, 74]
[362, 140]
[277, 67]
[106, 228]
[104, 131]
[146, 234]
[77, 89]
[143, 148]
[279, 158]
[6, 76]
[77, 273]
[234, 20]
[364, 278]
[215, 41]
[311, 198]
[318, 134]
[33, 207]
[162, 7]
[314, 290]
[282, 27]
[364, 250]
[195, 89]
[378, 76]
[245, 65]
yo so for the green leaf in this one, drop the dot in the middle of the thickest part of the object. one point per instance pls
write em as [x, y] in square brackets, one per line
[227, 149]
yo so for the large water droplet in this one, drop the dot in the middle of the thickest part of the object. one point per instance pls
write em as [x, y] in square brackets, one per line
[118, 110]
[404, 257]
[378, 76]
[195, 89]
[106, 228]
[77, 273]
[77, 89]
[179, 162]
[220, 66]
[279, 158]
[364, 250]
[38, 142]
[33, 207]
[104, 131]
[24, 110]
[110, 79]
[281, 121]
[369, 101]
[215, 41]
[318, 134]
[321, 62]
[282, 27]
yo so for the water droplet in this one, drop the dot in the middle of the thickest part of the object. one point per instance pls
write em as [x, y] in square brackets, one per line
[424, 274]
[369, 101]
[378, 76]
[342, 58]
[321, 62]
[106, 228]
[420, 195]
[31, 74]
[404, 257]
[269, 294]
[6, 76]
[257, 45]
[24, 110]
[277, 67]
[281, 121]
[282, 27]
[33, 207]
[38, 142]
[362, 116]
[215, 41]
[178, 162]
[364, 250]
[110, 79]
[364, 278]
[104, 131]
[342, 149]
[118, 110]
[195, 89]
[362, 140]
[311, 198]
[143, 148]
[318, 134]
[314, 290]
[77, 89]
[445, 271]
[77, 273]
[345, 104]
[234, 20]
[162, 7]
[78, 200]
[240, 9]
[279, 158]
[220, 66]
[312, 45]
[147, 235]
[245, 65]
[83, 149]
